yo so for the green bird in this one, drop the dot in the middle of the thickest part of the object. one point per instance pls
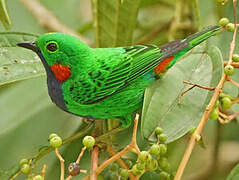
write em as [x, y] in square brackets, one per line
[105, 83]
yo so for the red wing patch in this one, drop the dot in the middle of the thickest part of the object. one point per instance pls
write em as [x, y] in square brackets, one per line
[161, 68]
[61, 72]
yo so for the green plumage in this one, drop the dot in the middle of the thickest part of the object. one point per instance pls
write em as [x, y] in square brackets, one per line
[107, 83]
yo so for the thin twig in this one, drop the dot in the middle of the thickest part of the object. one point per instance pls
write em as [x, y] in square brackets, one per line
[94, 163]
[233, 82]
[80, 155]
[43, 171]
[234, 64]
[120, 161]
[209, 108]
[62, 161]
[48, 20]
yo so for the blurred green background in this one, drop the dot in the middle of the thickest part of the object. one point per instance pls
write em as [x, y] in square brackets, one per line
[28, 116]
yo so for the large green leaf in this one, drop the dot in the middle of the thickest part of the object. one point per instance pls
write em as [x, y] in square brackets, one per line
[114, 21]
[163, 109]
[17, 63]
[4, 17]
[234, 174]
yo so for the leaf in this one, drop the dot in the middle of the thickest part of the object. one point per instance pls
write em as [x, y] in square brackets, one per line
[234, 174]
[4, 17]
[17, 63]
[163, 109]
[114, 21]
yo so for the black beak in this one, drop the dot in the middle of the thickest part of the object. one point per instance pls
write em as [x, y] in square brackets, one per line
[29, 45]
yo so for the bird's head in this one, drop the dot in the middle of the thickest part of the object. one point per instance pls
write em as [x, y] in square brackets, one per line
[58, 52]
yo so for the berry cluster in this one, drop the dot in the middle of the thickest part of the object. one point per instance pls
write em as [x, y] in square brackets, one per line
[154, 159]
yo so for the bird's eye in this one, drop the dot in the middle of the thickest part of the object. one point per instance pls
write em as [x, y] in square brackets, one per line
[52, 47]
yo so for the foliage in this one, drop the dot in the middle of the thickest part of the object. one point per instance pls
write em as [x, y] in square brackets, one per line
[25, 105]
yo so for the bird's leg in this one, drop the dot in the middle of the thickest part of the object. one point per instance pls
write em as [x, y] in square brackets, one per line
[193, 86]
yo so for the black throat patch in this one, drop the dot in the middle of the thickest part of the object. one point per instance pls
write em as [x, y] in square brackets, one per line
[54, 86]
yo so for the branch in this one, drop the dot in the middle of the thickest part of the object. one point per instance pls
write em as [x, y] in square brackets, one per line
[209, 108]
[48, 20]
[94, 163]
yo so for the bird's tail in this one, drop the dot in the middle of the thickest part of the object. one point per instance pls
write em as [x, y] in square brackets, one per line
[201, 36]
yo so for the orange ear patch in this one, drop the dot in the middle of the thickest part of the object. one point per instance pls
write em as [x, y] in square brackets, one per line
[61, 72]
[161, 68]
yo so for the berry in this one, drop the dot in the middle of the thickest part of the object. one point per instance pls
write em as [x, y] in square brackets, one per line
[162, 138]
[152, 164]
[88, 141]
[74, 169]
[114, 167]
[158, 130]
[140, 166]
[229, 70]
[214, 114]
[143, 156]
[235, 57]
[56, 141]
[23, 161]
[226, 103]
[136, 171]
[163, 149]
[220, 1]
[129, 163]
[155, 149]
[124, 173]
[51, 136]
[163, 163]
[230, 27]
[164, 176]
[38, 177]
[223, 22]
[25, 168]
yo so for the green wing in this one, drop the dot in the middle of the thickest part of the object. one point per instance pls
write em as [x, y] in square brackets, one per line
[133, 62]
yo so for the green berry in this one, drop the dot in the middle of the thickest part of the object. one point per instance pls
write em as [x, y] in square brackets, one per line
[164, 176]
[162, 138]
[220, 1]
[25, 168]
[51, 136]
[152, 164]
[163, 149]
[226, 103]
[88, 141]
[136, 171]
[129, 163]
[38, 177]
[155, 149]
[143, 156]
[235, 57]
[124, 173]
[230, 27]
[217, 103]
[74, 169]
[229, 70]
[140, 166]
[163, 163]
[114, 167]
[23, 161]
[214, 114]
[56, 141]
[158, 130]
[223, 22]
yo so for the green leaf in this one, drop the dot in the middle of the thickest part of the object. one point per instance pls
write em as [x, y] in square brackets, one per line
[114, 21]
[234, 174]
[163, 109]
[17, 63]
[4, 17]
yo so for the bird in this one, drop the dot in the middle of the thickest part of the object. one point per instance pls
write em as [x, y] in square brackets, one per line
[106, 83]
